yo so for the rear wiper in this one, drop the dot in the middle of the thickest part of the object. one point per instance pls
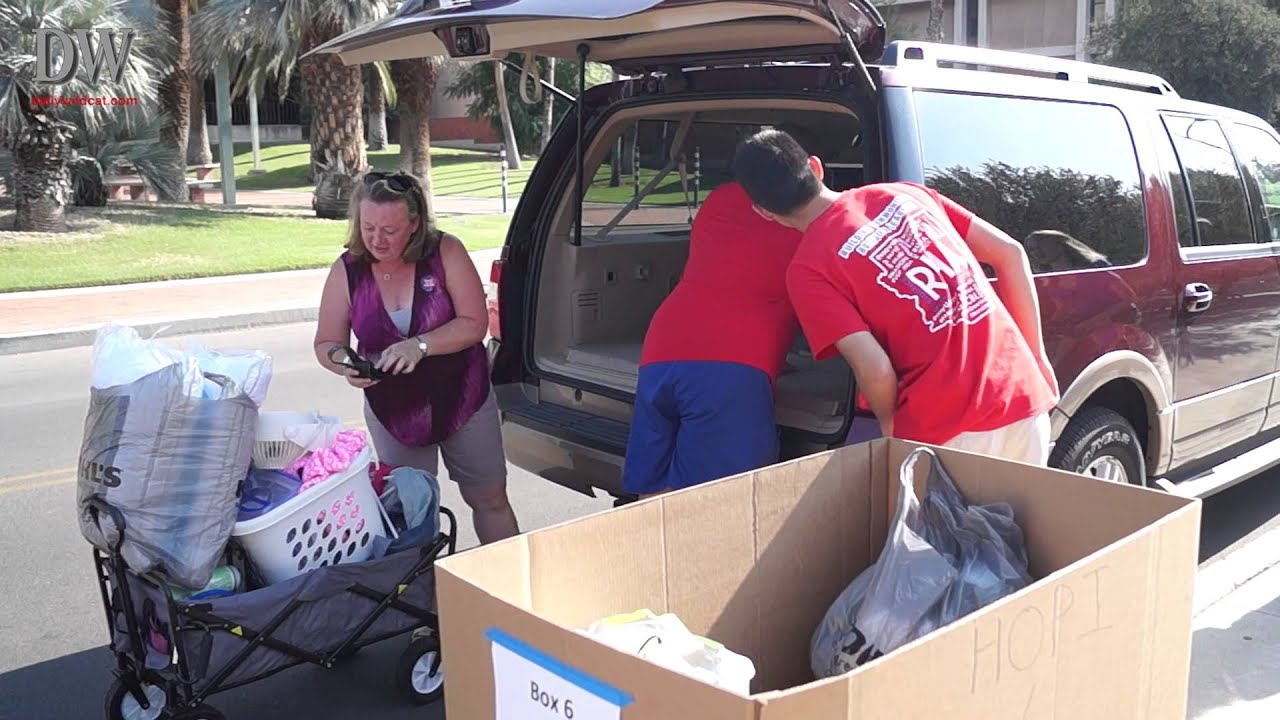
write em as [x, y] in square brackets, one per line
[559, 93]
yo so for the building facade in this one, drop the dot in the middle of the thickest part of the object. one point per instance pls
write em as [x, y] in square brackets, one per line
[1056, 28]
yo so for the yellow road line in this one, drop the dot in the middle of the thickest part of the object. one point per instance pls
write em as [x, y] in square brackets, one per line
[15, 479]
[36, 486]
[62, 476]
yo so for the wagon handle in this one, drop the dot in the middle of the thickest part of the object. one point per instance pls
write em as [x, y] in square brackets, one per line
[96, 507]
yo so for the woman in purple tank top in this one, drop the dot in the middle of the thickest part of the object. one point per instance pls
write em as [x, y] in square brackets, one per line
[415, 303]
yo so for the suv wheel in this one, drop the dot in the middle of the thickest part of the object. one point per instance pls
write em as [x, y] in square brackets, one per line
[1101, 443]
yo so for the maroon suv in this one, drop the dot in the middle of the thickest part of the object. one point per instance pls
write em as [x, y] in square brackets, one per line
[1152, 222]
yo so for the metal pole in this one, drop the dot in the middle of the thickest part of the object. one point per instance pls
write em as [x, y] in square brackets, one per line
[635, 165]
[226, 145]
[502, 156]
[253, 133]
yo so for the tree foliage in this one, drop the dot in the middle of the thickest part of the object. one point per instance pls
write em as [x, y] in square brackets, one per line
[1101, 212]
[1225, 52]
[475, 80]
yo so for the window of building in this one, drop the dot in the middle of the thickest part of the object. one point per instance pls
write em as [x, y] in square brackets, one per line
[1213, 180]
[1060, 177]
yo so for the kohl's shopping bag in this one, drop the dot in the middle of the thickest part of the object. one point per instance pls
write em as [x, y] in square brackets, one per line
[169, 450]
[942, 560]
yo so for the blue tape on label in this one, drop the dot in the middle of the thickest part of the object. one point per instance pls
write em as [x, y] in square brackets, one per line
[568, 673]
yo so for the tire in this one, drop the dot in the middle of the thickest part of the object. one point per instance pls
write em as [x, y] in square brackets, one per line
[122, 705]
[1100, 442]
[420, 674]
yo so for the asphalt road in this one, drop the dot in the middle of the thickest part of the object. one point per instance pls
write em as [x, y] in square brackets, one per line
[52, 630]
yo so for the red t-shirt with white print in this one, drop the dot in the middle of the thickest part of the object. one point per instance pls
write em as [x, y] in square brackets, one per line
[891, 259]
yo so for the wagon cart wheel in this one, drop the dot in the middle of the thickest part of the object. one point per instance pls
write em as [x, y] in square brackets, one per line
[123, 705]
[202, 712]
[420, 674]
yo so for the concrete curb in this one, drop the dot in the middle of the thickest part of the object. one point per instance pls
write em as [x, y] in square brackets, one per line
[81, 336]
[1219, 579]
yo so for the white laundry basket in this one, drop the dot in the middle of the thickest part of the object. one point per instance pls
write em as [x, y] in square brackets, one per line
[271, 448]
[330, 523]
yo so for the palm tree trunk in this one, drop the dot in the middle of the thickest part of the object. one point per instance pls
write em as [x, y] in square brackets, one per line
[376, 104]
[933, 31]
[504, 110]
[415, 82]
[333, 92]
[198, 150]
[175, 100]
[41, 153]
[407, 139]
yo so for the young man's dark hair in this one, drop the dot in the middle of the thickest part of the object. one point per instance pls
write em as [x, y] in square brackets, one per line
[776, 172]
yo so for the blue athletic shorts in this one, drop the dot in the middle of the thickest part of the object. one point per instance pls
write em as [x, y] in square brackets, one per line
[698, 421]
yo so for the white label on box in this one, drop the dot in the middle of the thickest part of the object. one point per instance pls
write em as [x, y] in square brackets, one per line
[531, 685]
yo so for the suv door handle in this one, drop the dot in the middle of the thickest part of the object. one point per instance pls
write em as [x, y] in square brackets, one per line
[1196, 297]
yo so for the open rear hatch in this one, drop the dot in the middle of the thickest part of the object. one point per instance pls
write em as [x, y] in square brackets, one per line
[634, 36]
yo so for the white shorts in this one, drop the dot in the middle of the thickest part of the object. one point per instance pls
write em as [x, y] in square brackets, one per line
[1024, 441]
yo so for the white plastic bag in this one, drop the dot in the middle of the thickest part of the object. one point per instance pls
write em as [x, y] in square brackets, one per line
[664, 640]
[121, 357]
[250, 370]
[942, 560]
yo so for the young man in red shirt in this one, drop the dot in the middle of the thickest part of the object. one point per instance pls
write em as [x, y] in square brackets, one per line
[713, 351]
[888, 276]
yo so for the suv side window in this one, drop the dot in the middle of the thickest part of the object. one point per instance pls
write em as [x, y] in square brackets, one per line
[1217, 191]
[1261, 152]
[1061, 177]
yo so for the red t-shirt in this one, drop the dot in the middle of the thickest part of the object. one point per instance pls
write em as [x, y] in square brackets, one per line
[891, 259]
[731, 303]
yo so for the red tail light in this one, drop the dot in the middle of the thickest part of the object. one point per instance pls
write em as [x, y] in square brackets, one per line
[493, 299]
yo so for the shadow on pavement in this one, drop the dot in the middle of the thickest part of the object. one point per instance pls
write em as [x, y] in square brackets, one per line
[1237, 665]
[1234, 514]
[75, 687]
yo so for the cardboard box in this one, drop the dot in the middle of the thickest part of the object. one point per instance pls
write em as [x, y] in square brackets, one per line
[755, 560]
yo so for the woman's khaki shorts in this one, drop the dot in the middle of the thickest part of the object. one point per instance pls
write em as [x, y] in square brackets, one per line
[473, 455]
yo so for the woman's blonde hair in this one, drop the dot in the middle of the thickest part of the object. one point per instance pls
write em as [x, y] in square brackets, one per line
[380, 186]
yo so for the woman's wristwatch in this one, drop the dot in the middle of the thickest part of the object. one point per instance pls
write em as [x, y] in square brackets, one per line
[422, 344]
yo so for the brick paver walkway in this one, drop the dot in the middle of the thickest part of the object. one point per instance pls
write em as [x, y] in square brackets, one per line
[42, 311]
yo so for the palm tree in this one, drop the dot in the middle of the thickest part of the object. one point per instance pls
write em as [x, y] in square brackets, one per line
[198, 150]
[415, 83]
[175, 98]
[38, 133]
[270, 37]
[131, 136]
[379, 93]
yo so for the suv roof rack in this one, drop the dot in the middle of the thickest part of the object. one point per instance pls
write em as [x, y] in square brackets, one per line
[902, 53]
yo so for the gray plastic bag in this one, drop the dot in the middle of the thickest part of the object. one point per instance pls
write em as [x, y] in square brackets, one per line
[172, 464]
[942, 560]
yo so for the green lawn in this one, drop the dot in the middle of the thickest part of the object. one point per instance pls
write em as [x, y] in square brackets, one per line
[668, 191]
[472, 173]
[133, 244]
[453, 172]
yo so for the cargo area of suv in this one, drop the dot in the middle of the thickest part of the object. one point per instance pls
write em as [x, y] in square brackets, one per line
[594, 299]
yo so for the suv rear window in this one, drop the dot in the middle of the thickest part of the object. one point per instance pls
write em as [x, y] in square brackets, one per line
[1060, 177]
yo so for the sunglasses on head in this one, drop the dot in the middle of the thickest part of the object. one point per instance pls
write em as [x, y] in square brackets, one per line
[397, 181]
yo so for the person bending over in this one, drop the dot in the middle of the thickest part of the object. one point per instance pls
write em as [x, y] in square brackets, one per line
[888, 276]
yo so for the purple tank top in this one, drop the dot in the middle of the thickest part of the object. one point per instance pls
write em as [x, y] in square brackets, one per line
[431, 403]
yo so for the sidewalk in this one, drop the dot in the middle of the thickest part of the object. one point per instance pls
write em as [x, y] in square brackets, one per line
[51, 319]
[1235, 660]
